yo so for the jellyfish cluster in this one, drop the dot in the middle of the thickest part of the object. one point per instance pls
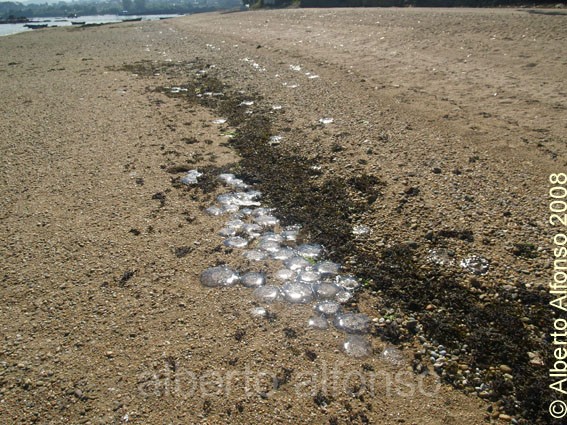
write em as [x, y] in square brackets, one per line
[303, 274]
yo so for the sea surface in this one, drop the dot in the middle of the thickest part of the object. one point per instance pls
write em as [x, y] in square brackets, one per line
[9, 29]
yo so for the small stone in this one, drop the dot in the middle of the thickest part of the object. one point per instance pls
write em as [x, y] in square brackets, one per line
[505, 368]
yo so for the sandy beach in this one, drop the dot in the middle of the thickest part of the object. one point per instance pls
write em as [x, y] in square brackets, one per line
[415, 145]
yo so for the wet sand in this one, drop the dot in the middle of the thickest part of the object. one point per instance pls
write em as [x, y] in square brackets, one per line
[458, 117]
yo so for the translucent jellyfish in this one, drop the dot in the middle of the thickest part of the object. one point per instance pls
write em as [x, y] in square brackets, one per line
[270, 237]
[317, 322]
[191, 177]
[229, 208]
[348, 282]
[343, 296]
[254, 194]
[352, 323]
[252, 230]
[357, 346]
[242, 213]
[392, 355]
[327, 308]
[235, 224]
[269, 246]
[440, 256]
[267, 293]
[296, 263]
[285, 274]
[284, 253]
[290, 233]
[327, 268]
[255, 255]
[253, 279]
[310, 250]
[257, 212]
[308, 276]
[360, 230]
[258, 312]
[236, 242]
[297, 293]
[227, 231]
[219, 276]
[326, 290]
[226, 177]
[240, 199]
[475, 264]
[214, 210]
[267, 220]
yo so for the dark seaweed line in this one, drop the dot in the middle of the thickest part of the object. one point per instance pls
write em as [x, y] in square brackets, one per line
[326, 209]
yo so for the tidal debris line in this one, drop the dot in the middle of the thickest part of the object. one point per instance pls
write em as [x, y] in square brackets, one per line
[469, 342]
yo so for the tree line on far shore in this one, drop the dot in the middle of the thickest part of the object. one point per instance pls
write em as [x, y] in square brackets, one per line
[14, 11]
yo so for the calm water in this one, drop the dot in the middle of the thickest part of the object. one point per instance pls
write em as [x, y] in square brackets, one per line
[8, 29]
